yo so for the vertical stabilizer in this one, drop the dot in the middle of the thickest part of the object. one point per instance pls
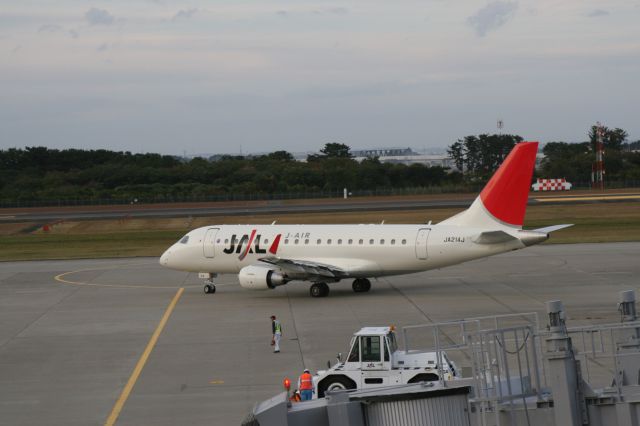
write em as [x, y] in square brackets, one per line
[503, 201]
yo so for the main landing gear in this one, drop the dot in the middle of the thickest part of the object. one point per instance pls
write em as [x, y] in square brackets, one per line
[319, 290]
[209, 287]
[361, 285]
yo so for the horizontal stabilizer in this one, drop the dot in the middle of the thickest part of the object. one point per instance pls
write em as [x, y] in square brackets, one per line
[493, 237]
[553, 228]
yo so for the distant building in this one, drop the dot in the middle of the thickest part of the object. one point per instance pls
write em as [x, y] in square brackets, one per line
[382, 152]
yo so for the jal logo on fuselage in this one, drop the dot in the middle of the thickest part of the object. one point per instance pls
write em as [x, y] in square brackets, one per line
[250, 243]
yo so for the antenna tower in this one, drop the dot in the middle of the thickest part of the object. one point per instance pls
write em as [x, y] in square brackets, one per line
[597, 169]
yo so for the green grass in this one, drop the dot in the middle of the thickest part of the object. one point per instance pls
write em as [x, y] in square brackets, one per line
[67, 246]
[594, 223]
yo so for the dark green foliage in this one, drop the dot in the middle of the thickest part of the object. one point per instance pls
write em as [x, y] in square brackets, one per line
[40, 174]
[574, 161]
[479, 156]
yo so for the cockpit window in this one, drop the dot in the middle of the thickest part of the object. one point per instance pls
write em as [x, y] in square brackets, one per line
[184, 239]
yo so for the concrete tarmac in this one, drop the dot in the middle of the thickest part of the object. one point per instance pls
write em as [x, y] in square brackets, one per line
[68, 347]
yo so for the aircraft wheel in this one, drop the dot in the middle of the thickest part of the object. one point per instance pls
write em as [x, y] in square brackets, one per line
[361, 285]
[334, 384]
[367, 285]
[319, 290]
[209, 288]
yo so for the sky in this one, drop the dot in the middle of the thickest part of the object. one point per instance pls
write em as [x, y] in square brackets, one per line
[192, 77]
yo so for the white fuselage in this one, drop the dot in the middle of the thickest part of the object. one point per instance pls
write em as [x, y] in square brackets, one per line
[359, 250]
[267, 256]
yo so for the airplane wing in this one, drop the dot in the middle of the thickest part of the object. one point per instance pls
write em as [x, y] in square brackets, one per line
[553, 228]
[493, 237]
[304, 267]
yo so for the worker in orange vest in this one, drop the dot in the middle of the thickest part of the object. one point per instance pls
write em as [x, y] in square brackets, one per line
[305, 385]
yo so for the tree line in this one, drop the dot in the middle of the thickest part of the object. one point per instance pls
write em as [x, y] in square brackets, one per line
[479, 156]
[39, 174]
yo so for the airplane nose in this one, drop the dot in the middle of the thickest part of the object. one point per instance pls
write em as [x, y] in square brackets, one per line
[164, 259]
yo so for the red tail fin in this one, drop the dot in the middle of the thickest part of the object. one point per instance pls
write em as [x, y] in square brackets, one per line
[506, 194]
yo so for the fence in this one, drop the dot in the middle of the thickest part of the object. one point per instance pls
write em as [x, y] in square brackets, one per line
[471, 188]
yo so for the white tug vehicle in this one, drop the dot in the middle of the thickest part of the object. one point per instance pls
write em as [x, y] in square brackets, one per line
[375, 361]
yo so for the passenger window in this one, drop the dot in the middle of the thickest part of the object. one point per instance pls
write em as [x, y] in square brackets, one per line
[370, 348]
[226, 241]
[350, 241]
[354, 355]
[370, 241]
[381, 241]
[404, 242]
[296, 241]
[266, 241]
[393, 242]
[360, 242]
[286, 241]
[329, 241]
[339, 241]
[306, 241]
[319, 241]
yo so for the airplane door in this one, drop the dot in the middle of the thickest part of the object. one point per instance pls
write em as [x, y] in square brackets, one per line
[421, 243]
[208, 244]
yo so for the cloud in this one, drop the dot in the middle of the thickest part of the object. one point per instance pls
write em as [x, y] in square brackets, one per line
[53, 28]
[492, 16]
[50, 28]
[597, 12]
[332, 10]
[184, 14]
[338, 10]
[97, 16]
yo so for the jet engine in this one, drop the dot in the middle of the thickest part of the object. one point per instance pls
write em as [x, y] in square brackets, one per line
[260, 278]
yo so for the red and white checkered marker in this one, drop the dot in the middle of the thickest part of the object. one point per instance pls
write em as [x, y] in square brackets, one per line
[551, 185]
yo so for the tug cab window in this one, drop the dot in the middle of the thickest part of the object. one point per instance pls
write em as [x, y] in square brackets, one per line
[370, 348]
[354, 355]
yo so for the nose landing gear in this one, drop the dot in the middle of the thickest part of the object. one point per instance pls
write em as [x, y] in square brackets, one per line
[209, 286]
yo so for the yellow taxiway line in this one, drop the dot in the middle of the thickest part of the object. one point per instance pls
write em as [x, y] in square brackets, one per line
[591, 198]
[117, 408]
[62, 278]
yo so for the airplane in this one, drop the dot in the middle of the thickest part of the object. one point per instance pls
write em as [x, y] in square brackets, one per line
[269, 256]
